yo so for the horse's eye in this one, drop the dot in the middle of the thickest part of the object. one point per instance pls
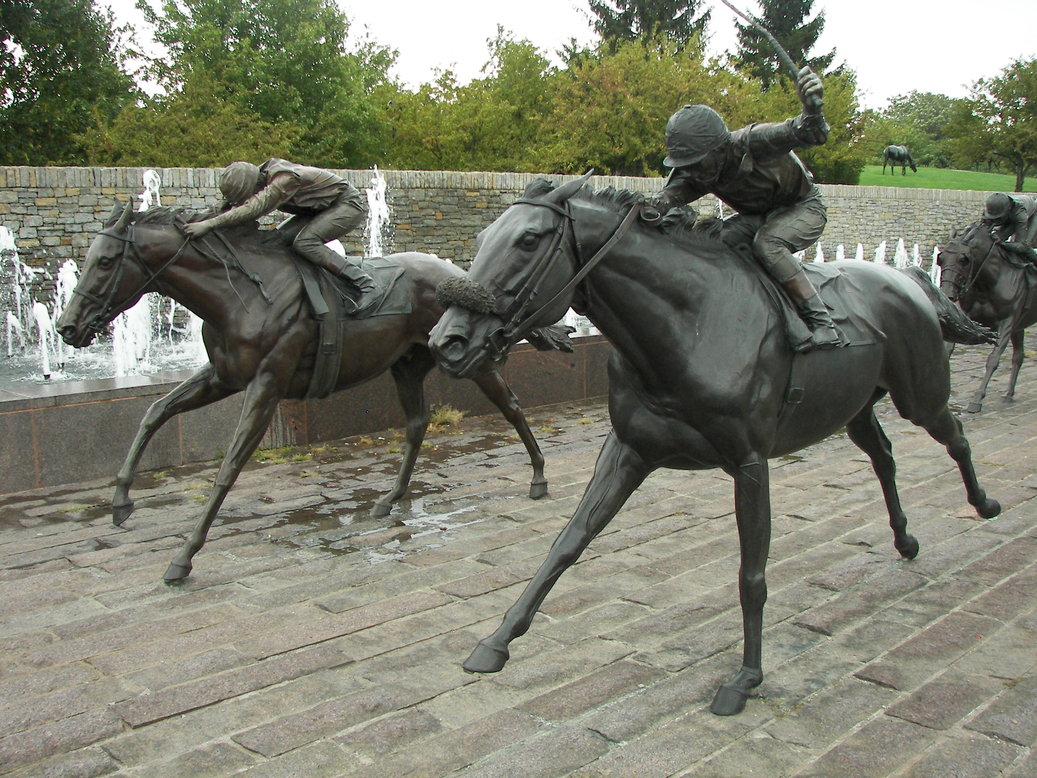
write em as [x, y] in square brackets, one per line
[529, 241]
[963, 260]
[106, 262]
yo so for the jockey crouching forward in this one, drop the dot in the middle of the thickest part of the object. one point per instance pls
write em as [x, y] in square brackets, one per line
[755, 171]
[324, 207]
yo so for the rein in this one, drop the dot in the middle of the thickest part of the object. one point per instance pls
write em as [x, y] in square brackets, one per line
[518, 321]
[974, 270]
[109, 310]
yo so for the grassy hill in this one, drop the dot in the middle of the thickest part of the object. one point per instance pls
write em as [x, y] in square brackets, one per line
[941, 178]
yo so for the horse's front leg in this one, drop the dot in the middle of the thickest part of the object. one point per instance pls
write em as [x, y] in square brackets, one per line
[499, 393]
[617, 473]
[1018, 354]
[1003, 337]
[196, 392]
[753, 515]
[261, 398]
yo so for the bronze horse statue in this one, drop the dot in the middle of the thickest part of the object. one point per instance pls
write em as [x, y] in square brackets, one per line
[897, 155]
[995, 287]
[262, 340]
[702, 374]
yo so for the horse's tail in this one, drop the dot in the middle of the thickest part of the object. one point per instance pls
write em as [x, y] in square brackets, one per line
[954, 324]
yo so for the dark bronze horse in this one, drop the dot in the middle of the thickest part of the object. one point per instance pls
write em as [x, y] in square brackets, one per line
[995, 287]
[702, 375]
[261, 340]
[897, 155]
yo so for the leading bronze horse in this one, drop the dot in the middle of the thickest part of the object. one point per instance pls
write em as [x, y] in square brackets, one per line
[262, 340]
[995, 287]
[701, 376]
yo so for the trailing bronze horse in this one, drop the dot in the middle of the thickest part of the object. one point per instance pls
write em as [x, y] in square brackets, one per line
[262, 340]
[995, 287]
[702, 374]
[897, 155]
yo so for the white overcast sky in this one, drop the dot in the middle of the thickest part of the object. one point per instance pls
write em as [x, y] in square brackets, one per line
[931, 46]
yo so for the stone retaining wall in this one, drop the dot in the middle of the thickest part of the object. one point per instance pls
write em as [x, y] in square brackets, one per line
[55, 212]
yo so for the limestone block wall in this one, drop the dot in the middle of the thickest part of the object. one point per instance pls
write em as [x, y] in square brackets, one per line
[54, 212]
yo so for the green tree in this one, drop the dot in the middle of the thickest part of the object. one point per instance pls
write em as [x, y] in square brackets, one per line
[60, 66]
[999, 121]
[920, 120]
[651, 21]
[493, 123]
[283, 61]
[786, 20]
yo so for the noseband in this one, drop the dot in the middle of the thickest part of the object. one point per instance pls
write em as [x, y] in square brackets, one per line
[108, 309]
[476, 298]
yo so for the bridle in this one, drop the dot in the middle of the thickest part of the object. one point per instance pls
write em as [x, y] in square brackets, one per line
[105, 301]
[515, 315]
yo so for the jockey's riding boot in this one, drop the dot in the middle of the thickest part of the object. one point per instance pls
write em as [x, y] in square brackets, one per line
[357, 278]
[813, 311]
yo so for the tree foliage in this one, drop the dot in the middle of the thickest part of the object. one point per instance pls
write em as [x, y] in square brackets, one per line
[60, 67]
[652, 22]
[284, 63]
[999, 121]
[786, 20]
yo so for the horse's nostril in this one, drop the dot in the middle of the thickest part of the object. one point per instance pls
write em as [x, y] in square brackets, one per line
[453, 349]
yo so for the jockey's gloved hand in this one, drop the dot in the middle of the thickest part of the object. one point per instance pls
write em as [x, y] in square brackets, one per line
[650, 214]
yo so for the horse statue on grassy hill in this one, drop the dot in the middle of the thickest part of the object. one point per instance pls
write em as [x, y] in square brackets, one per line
[703, 373]
[897, 155]
[273, 329]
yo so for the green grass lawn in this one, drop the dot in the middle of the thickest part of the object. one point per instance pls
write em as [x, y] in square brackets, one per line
[941, 178]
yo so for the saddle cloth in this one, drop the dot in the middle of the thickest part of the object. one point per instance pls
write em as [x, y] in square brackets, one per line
[332, 301]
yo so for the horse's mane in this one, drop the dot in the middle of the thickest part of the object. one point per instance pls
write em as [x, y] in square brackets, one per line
[247, 235]
[682, 226]
[168, 215]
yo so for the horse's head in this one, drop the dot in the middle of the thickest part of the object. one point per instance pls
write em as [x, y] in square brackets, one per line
[99, 296]
[518, 281]
[963, 259]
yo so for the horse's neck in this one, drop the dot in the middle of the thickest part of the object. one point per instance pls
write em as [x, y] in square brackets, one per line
[217, 293]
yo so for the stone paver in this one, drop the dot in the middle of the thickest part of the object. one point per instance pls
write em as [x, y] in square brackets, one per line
[314, 640]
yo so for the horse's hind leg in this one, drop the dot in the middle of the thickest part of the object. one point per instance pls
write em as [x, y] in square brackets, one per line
[1018, 354]
[196, 392]
[499, 393]
[866, 432]
[409, 373]
[946, 429]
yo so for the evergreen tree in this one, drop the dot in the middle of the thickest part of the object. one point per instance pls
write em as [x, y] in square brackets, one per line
[786, 20]
[651, 21]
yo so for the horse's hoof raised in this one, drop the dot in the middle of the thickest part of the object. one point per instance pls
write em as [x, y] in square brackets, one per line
[537, 489]
[974, 408]
[989, 508]
[176, 573]
[910, 547]
[486, 659]
[121, 512]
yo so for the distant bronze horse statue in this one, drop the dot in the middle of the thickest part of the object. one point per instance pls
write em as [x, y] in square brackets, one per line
[702, 374]
[996, 287]
[897, 155]
[262, 340]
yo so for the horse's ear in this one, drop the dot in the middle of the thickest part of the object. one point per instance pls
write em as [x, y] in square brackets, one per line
[124, 218]
[568, 189]
[114, 214]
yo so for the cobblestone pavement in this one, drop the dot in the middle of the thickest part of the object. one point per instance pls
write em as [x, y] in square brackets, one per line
[312, 640]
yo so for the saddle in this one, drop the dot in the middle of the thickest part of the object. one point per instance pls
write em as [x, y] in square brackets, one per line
[334, 305]
[845, 302]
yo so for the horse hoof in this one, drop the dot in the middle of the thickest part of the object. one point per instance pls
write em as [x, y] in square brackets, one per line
[729, 701]
[537, 489]
[381, 509]
[989, 508]
[121, 512]
[176, 573]
[974, 408]
[486, 659]
[909, 549]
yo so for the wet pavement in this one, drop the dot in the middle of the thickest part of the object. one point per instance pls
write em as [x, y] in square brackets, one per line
[313, 640]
